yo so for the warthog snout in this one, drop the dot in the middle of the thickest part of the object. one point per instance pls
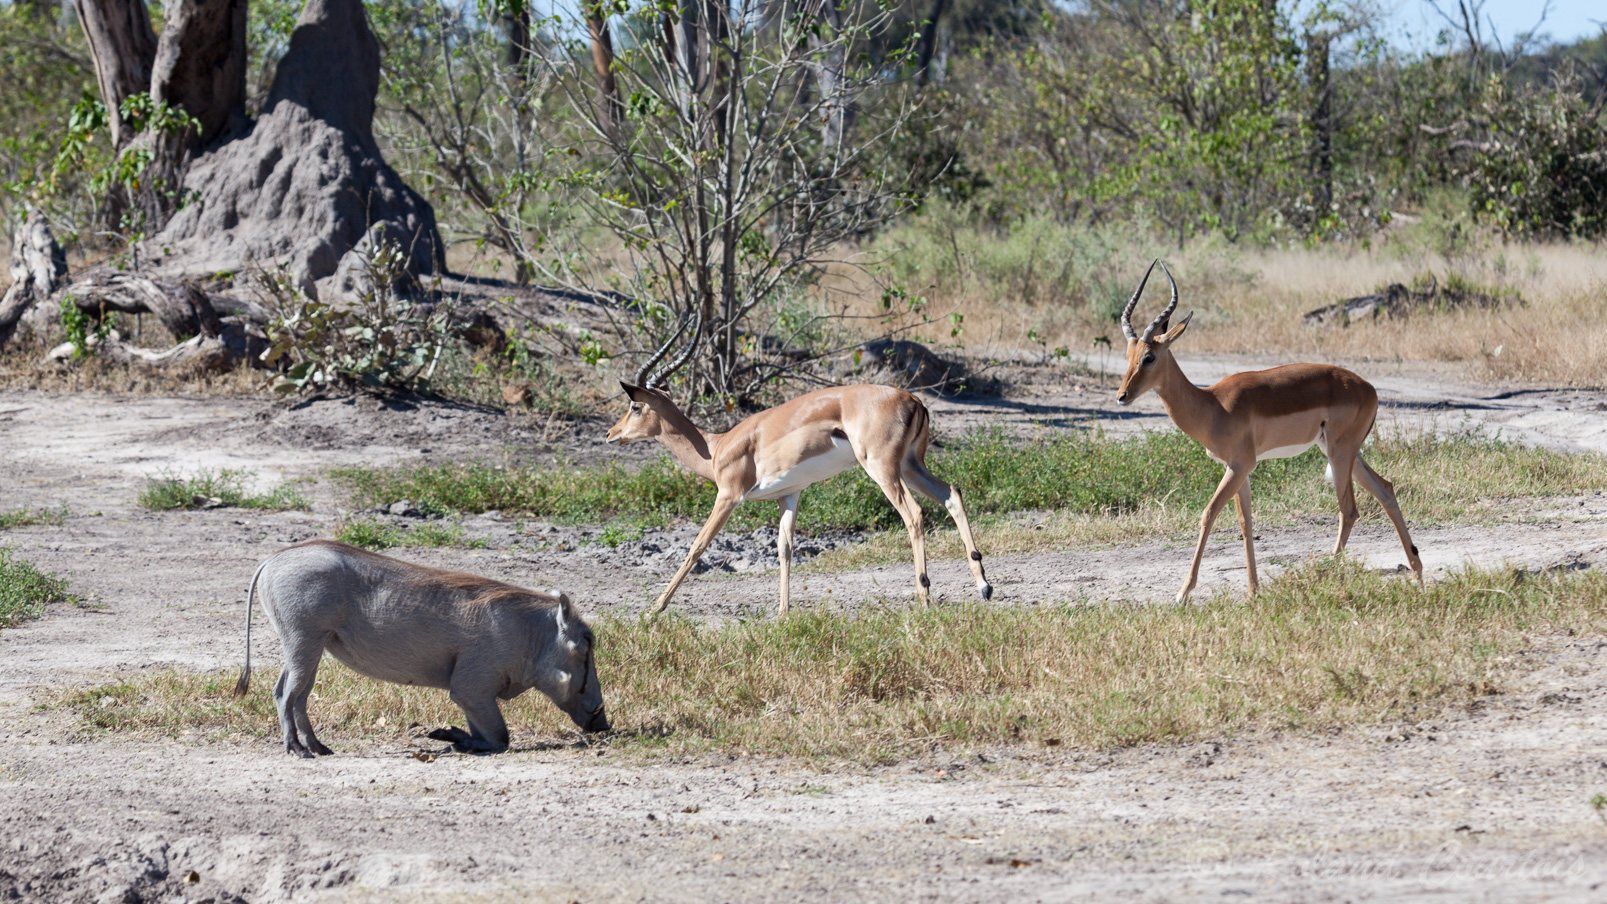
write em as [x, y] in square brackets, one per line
[597, 722]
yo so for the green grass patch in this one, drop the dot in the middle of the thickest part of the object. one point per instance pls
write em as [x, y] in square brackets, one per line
[212, 489]
[24, 589]
[371, 534]
[1327, 645]
[1437, 479]
[30, 517]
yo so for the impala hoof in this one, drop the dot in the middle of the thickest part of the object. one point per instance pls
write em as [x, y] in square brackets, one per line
[986, 590]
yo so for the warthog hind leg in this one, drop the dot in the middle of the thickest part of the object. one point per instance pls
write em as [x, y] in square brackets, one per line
[290, 695]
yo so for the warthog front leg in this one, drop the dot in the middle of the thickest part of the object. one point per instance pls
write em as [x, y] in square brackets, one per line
[487, 733]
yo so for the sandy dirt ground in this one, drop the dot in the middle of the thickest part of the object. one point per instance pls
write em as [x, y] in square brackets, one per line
[1488, 805]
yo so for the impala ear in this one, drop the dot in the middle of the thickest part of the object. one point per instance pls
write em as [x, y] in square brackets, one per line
[1176, 331]
[634, 393]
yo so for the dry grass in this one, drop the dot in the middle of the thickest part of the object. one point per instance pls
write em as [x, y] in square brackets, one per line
[21, 367]
[1043, 288]
[1328, 645]
[1559, 337]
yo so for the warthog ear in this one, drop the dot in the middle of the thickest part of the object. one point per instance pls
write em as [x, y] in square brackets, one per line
[564, 612]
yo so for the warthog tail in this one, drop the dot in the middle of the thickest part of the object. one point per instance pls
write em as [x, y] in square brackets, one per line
[244, 684]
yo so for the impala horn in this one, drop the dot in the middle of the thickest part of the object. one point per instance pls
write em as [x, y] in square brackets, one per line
[656, 381]
[1164, 321]
[1127, 312]
[653, 359]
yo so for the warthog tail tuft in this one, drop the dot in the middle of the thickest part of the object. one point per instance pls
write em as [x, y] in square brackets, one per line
[244, 684]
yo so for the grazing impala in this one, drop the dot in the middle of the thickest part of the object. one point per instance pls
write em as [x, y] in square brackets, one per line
[1248, 417]
[778, 452]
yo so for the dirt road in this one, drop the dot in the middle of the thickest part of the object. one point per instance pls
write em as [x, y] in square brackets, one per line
[1491, 805]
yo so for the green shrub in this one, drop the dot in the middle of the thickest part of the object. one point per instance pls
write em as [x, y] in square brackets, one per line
[24, 589]
[210, 489]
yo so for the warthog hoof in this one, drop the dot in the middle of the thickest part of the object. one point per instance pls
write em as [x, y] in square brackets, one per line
[457, 737]
[319, 748]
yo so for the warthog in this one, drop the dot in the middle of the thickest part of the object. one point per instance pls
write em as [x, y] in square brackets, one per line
[478, 639]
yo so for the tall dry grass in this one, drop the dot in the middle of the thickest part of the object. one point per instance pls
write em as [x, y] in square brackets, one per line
[1041, 285]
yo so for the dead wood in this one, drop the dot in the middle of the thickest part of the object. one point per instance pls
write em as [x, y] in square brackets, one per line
[234, 343]
[37, 267]
[181, 307]
[1396, 300]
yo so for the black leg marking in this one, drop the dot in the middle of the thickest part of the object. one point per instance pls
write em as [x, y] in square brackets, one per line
[1414, 549]
[976, 555]
[926, 581]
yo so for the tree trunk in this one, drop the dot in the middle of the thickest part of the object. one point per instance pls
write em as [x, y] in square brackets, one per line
[1322, 125]
[928, 44]
[830, 74]
[610, 113]
[200, 68]
[306, 182]
[518, 25]
[37, 267]
[201, 64]
[124, 48]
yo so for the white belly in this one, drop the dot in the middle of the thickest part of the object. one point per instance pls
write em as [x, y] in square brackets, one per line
[1284, 451]
[810, 470]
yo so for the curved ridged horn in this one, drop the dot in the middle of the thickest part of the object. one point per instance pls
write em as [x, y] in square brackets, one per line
[657, 380]
[653, 359]
[1127, 312]
[1162, 322]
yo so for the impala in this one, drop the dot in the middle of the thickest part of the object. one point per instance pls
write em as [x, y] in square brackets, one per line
[776, 453]
[1249, 417]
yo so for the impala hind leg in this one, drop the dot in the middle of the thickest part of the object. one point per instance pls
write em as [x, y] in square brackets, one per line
[887, 477]
[723, 507]
[1341, 466]
[1384, 492]
[1241, 501]
[1227, 489]
[789, 518]
[920, 480]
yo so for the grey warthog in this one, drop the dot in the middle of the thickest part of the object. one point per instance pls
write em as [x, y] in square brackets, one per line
[477, 638]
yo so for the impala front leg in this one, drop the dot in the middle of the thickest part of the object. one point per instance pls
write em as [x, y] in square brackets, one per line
[1242, 503]
[724, 505]
[1227, 489]
[789, 516]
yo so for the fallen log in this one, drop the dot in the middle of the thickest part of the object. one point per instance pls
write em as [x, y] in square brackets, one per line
[180, 306]
[234, 343]
[1396, 300]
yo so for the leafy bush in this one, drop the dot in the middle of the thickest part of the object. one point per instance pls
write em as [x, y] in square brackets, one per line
[1543, 170]
[387, 338]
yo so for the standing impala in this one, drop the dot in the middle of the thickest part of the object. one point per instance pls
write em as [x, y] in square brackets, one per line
[1248, 417]
[778, 452]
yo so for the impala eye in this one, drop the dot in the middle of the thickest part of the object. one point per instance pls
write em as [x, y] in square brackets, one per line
[1149, 358]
